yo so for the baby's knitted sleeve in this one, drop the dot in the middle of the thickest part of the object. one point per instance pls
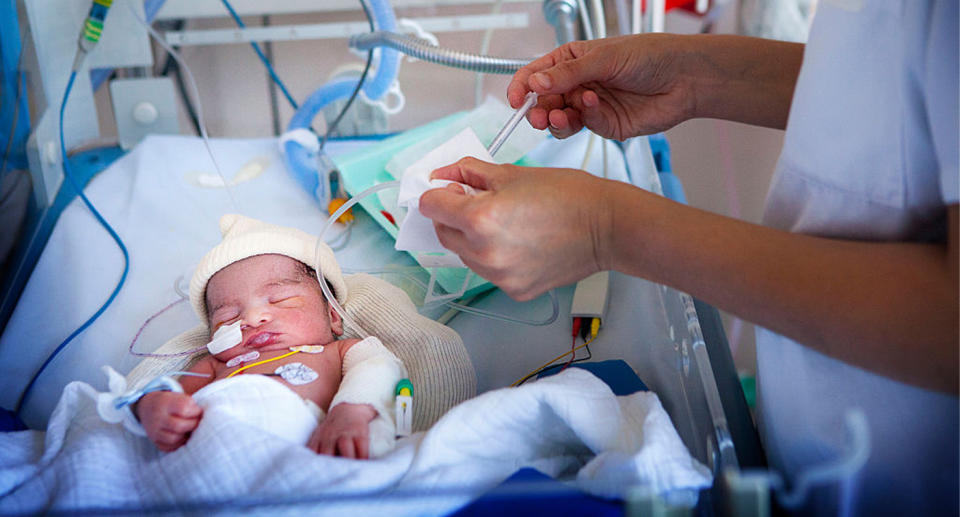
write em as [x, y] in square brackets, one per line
[370, 376]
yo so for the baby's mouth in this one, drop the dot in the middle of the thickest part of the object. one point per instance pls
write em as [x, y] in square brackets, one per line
[262, 339]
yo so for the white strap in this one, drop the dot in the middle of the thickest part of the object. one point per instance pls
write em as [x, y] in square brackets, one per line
[302, 136]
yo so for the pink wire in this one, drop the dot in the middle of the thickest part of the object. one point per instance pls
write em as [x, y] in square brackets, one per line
[145, 323]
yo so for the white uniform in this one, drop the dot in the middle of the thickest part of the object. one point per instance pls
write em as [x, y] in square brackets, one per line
[870, 154]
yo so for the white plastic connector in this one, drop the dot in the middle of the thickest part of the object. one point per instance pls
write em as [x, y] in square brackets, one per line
[590, 297]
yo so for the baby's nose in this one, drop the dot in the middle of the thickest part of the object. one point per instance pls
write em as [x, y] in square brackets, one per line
[257, 316]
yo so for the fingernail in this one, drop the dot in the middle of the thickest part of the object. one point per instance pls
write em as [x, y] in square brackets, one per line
[543, 79]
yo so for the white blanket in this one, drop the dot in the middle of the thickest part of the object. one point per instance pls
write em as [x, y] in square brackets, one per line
[569, 425]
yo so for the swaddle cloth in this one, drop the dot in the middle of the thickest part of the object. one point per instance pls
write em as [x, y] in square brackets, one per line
[268, 405]
[569, 422]
[261, 402]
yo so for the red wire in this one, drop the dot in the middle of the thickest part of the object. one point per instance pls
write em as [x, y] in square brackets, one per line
[573, 345]
[573, 354]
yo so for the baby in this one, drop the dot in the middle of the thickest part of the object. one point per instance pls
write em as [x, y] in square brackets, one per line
[275, 321]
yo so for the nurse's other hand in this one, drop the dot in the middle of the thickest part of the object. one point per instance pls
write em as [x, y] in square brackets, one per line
[527, 230]
[618, 87]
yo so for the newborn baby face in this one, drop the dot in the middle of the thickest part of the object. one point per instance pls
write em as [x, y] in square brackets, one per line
[279, 302]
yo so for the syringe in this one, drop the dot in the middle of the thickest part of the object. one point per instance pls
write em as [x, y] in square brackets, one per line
[511, 124]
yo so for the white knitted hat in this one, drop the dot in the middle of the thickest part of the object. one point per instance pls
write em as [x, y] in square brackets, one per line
[244, 237]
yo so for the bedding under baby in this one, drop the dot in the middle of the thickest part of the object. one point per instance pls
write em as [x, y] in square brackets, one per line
[569, 426]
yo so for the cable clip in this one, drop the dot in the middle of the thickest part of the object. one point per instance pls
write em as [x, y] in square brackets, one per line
[114, 405]
[403, 410]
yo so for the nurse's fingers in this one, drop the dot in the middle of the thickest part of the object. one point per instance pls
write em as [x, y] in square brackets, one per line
[454, 240]
[519, 84]
[561, 70]
[565, 123]
[568, 74]
[537, 116]
[476, 173]
[445, 207]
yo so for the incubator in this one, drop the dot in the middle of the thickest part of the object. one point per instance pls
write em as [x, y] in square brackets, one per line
[672, 343]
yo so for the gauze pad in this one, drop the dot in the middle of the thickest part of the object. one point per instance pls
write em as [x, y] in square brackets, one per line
[416, 231]
[225, 338]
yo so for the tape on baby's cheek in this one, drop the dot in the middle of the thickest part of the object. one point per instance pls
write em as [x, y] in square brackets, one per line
[225, 338]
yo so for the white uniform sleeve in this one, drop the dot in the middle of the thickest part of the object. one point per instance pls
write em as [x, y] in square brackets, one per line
[942, 95]
[370, 376]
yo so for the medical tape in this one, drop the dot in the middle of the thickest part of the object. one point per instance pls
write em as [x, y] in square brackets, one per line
[225, 338]
[302, 136]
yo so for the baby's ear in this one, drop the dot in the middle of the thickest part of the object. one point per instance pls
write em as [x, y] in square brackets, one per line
[336, 322]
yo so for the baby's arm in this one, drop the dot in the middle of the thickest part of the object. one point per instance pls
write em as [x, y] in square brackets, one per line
[168, 417]
[370, 376]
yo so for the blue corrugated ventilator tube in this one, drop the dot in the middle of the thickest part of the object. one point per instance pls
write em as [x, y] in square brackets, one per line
[300, 159]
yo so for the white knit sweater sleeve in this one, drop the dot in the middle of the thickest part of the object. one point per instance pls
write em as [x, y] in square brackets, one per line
[370, 376]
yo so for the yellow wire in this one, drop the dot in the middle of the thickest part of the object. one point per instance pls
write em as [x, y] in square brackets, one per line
[561, 356]
[242, 368]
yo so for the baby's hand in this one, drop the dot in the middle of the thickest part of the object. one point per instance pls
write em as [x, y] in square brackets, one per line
[168, 418]
[344, 432]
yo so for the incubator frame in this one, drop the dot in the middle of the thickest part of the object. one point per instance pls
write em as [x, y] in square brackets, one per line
[718, 430]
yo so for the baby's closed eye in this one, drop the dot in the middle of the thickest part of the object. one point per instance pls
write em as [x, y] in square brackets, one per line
[288, 301]
[223, 319]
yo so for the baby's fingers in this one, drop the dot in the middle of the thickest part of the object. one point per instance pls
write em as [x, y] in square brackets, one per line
[169, 441]
[326, 446]
[345, 448]
[362, 446]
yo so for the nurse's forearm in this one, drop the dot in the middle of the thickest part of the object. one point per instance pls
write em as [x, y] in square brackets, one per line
[891, 308]
[744, 79]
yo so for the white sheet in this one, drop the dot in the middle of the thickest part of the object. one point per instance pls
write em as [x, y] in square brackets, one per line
[567, 423]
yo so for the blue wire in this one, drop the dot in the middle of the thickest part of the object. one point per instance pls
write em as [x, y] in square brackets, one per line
[126, 256]
[266, 62]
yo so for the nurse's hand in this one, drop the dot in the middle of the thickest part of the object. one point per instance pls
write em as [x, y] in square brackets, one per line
[527, 230]
[618, 87]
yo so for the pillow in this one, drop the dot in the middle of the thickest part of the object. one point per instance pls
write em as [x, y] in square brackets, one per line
[434, 355]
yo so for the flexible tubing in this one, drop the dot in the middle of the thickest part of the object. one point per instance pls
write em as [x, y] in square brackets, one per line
[301, 162]
[585, 19]
[419, 49]
[196, 100]
[68, 176]
[376, 88]
[599, 18]
[99, 75]
[331, 299]
[407, 272]
[484, 48]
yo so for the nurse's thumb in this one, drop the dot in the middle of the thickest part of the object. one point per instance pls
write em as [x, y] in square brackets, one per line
[470, 171]
[567, 75]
